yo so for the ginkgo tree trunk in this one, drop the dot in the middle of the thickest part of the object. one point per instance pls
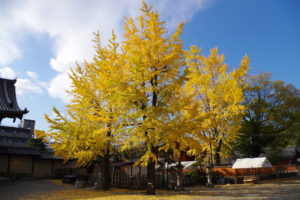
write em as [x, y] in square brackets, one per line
[217, 94]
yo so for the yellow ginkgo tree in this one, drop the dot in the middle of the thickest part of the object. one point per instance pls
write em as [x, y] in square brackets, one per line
[89, 126]
[217, 95]
[130, 95]
[153, 62]
[148, 93]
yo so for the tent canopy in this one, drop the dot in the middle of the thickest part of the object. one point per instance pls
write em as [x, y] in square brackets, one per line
[251, 163]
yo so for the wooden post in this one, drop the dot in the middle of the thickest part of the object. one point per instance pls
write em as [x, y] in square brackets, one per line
[8, 164]
[168, 175]
[235, 178]
[139, 177]
[32, 166]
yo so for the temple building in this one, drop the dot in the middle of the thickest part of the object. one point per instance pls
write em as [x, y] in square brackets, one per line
[16, 157]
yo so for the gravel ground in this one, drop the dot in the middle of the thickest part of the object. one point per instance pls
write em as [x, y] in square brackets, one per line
[28, 188]
[284, 188]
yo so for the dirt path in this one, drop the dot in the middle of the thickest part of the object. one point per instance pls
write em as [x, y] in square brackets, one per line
[284, 188]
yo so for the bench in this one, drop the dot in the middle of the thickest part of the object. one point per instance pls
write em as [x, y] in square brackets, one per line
[251, 179]
[69, 179]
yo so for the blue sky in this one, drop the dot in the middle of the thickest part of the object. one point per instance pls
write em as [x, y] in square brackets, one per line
[41, 40]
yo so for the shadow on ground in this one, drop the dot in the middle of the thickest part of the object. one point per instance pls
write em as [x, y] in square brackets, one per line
[285, 188]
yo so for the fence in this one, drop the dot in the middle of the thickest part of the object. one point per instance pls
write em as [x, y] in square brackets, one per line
[191, 178]
[228, 171]
[123, 180]
[197, 177]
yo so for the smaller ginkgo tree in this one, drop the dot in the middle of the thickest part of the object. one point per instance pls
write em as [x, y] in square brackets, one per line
[90, 124]
[217, 95]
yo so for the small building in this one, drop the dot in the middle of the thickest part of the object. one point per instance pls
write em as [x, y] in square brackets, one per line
[17, 136]
[244, 163]
[15, 155]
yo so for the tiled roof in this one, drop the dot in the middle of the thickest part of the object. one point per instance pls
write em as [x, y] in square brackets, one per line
[49, 155]
[29, 151]
[19, 150]
[8, 101]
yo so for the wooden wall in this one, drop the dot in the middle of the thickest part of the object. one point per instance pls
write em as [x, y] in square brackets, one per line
[29, 166]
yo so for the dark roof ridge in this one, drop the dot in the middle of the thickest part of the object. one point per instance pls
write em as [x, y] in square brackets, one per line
[9, 107]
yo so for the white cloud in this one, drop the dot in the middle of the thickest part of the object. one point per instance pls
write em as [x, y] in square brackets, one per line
[8, 51]
[7, 72]
[24, 86]
[58, 87]
[71, 23]
[32, 74]
[35, 77]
